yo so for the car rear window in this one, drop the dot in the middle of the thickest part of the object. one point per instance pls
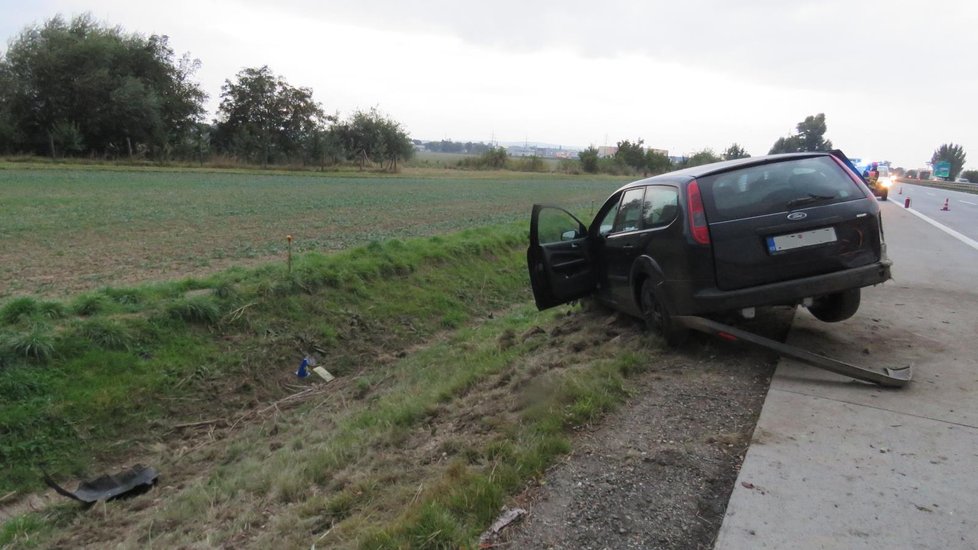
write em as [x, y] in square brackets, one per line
[776, 187]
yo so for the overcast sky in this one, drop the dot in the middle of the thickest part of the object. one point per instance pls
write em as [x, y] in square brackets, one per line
[894, 79]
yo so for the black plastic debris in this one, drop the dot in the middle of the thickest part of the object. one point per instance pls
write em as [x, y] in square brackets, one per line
[133, 481]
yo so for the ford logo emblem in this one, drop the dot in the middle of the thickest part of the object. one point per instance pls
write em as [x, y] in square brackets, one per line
[795, 216]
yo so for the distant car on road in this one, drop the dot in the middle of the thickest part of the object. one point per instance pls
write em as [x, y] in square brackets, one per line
[800, 228]
[962, 180]
[881, 187]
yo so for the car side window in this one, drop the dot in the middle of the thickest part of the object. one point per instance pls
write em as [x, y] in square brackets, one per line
[556, 225]
[661, 206]
[630, 212]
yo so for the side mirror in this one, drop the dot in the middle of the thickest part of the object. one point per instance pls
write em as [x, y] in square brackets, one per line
[568, 235]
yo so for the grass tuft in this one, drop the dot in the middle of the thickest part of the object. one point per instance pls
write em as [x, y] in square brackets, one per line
[89, 304]
[226, 291]
[18, 309]
[199, 309]
[18, 531]
[37, 344]
[52, 310]
[105, 333]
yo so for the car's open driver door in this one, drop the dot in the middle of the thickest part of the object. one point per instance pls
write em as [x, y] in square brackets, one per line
[559, 257]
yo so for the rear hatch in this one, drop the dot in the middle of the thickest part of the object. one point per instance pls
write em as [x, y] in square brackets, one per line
[786, 220]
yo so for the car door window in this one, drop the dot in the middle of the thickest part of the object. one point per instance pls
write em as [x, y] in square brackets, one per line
[556, 225]
[630, 212]
[661, 206]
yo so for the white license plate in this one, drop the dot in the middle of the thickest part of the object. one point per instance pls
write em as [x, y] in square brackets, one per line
[800, 240]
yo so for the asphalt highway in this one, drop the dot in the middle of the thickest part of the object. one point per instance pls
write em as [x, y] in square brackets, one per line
[962, 213]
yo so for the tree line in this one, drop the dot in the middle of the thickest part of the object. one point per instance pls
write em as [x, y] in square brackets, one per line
[83, 89]
[633, 157]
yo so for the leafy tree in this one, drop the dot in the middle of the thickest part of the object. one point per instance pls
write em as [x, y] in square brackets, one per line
[632, 154]
[371, 136]
[325, 147]
[811, 134]
[67, 138]
[656, 162]
[398, 144]
[735, 151]
[6, 119]
[970, 175]
[953, 154]
[589, 159]
[111, 90]
[495, 157]
[810, 137]
[706, 156]
[788, 144]
[263, 118]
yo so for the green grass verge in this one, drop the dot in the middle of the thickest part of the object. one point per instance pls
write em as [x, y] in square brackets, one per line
[418, 452]
[88, 382]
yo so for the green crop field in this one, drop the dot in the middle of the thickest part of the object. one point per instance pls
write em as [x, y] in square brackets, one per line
[67, 230]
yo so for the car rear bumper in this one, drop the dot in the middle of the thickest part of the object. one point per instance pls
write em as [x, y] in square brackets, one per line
[783, 293]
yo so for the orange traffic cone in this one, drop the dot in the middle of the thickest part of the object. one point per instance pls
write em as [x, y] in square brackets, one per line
[946, 207]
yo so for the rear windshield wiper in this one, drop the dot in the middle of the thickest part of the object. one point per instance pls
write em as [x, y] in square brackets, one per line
[811, 198]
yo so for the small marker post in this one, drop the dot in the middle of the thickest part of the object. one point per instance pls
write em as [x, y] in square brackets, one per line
[289, 239]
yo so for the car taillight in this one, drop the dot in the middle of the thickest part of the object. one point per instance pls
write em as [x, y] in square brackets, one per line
[697, 215]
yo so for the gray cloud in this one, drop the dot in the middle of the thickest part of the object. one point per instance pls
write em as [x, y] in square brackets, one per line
[817, 45]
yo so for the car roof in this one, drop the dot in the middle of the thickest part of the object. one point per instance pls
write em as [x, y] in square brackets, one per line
[687, 174]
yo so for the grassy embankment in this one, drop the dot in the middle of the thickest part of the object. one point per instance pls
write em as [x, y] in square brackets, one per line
[107, 376]
[122, 373]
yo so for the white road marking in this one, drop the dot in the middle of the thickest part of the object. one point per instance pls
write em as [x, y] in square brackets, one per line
[966, 240]
[971, 203]
[929, 193]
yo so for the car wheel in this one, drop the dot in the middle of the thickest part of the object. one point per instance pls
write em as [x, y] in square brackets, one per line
[836, 307]
[658, 319]
[884, 195]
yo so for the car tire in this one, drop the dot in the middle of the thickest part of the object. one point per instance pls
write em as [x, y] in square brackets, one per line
[885, 193]
[657, 317]
[836, 307]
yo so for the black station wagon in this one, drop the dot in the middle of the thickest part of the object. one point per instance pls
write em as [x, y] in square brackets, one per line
[795, 229]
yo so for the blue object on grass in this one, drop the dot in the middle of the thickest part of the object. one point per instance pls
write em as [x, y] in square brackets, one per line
[303, 368]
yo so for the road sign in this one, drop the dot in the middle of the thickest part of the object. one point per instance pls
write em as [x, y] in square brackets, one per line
[942, 169]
